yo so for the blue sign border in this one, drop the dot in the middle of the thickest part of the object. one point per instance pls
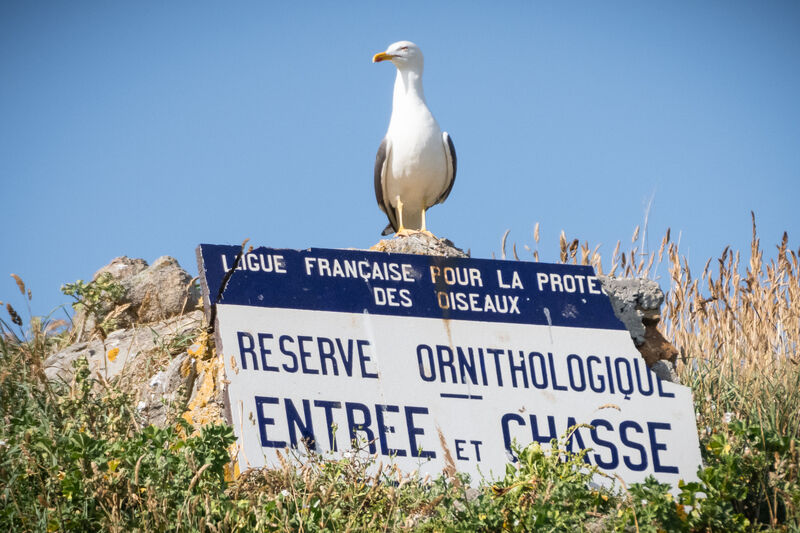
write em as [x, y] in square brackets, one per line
[530, 293]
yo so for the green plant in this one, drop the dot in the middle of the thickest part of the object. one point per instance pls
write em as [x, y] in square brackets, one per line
[76, 457]
[550, 490]
[97, 299]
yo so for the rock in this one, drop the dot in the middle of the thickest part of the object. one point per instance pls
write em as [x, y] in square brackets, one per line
[150, 293]
[136, 347]
[167, 392]
[207, 404]
[655, 347]
[665, 370]
[162, 290]
[419, 243]
[637, 303]
[122, 268]
[632, 300]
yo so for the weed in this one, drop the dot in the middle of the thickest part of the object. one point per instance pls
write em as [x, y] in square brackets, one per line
[76, 457]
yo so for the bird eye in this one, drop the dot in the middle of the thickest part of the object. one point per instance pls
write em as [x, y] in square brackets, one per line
[404, 48]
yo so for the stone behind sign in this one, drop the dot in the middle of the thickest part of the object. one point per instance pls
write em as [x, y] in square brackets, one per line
[159, 315]
[151, 293]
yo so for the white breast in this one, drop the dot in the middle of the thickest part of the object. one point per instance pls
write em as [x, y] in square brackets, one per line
[417, 169]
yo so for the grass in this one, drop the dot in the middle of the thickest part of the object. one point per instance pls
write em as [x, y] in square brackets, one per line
[76, 457]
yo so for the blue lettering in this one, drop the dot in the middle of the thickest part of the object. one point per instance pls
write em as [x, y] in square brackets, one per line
[304, 354]
[556, 386]
[623, 433]
[459, 449]
[422, 373]
[294, 420]
[610, 375]
[467, 367]
[242, 335]
[600, 384]
[507, 433]
[264, 421]
[542, 370]
[647, 371]
[383, 429]
[661, 391]
[262, 337]
[413, 431]
[576, 437]
[329, 407]
[285, 351]
[629, 387]
[327, 354]
[445, 356]
[363, 358]
[496, 353]
[656, 447]
[477, 444]
[347, 360]
[614, 461]
[551, 427]
[570, 360]
[517, 368]
[363, 426]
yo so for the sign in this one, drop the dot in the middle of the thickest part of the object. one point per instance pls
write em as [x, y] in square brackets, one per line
[408, 356]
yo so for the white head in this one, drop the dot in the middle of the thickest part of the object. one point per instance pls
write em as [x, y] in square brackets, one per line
[404, 54]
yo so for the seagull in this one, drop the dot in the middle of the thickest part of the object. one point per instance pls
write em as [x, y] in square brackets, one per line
[416, 163]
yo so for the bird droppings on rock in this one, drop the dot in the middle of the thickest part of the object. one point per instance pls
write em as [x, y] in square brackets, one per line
[418, 243]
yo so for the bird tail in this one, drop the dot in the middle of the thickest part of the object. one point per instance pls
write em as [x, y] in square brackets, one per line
[388, 230]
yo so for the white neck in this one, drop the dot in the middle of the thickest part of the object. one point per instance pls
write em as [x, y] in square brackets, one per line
[407, 88]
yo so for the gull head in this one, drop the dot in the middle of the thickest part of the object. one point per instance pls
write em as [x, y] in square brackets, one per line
[404, 55]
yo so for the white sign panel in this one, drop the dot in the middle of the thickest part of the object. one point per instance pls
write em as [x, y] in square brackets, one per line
[411, 354]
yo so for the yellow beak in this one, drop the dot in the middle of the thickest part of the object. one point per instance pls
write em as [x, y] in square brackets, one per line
[383, 56]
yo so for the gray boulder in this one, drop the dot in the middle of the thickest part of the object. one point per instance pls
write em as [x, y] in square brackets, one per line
[165, 395]
[136, 348]
[637, 303]
[419, 243]
[632, 301]
[150, 293]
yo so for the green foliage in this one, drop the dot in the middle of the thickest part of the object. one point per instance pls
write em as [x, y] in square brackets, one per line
[549, 490]
[75, 457]
[97, 299]
[78, 461]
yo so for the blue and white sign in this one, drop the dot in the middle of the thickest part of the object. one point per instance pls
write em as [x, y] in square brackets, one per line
[411, 354]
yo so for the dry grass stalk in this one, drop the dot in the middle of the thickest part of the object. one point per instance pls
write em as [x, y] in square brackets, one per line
[735, 324]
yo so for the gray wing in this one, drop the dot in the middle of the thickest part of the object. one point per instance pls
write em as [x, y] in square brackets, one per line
[452, 165]
[381, 159]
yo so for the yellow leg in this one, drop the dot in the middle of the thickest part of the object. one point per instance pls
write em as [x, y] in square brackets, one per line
[401, 230]
[424, 229]
[400, 214]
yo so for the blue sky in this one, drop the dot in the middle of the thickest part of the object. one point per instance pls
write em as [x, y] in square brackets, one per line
[146, 128]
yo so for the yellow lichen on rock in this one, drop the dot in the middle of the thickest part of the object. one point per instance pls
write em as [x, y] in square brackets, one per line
[199, 349]
[203, 408]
